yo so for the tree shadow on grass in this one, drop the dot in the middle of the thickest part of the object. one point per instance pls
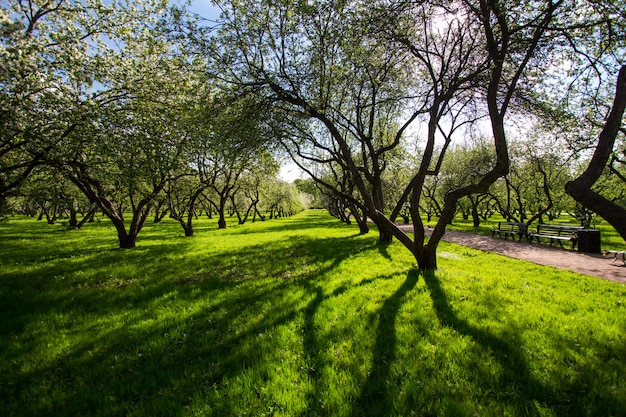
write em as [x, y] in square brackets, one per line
[220, 311]
[145, 363]
[383, 249]
[314, 344]
[75, 279]
[516, 383]
[375, 398]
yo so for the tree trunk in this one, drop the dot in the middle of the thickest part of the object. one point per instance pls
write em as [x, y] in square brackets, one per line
[51, 220]
[73, 222]
[248, 211]
[221, 222]
[128, 241]
[475, 216]
[385, 235]
[609, 211]
[256, 211]
[580, 188]
[386, 228]
[159, 215]
[427, 259]
[88, 217]
[361, 220]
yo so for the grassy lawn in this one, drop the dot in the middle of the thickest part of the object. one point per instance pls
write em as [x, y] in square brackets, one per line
[296, 317]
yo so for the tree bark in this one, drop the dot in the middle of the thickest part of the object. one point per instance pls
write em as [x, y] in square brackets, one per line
[361, 220]
[73, 221]
[427, 259]
[580, 188]
[127, 241]
[475, 217]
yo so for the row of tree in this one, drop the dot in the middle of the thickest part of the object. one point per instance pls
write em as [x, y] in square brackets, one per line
[101, 99]
[533, 190]
[379, 102]
[49, 196]
[358, 83]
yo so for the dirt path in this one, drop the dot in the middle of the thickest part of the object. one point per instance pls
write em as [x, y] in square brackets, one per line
[585, 263]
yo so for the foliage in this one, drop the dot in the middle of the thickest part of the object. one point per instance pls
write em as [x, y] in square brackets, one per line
[232, 145]
[351, 82]
[126, 97]
[56, 56]
[534, 188]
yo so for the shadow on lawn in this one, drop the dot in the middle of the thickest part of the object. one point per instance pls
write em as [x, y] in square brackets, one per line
[312, 219]
[375, 398]
[147, 365]
[562, 397]
[74, 280]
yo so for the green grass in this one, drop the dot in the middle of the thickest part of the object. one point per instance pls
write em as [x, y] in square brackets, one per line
[295, 317]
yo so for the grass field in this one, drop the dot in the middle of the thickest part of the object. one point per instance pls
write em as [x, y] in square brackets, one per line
[296, 317]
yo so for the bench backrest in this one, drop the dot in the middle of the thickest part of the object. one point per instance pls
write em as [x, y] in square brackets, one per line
[513, 226]
[557, 230]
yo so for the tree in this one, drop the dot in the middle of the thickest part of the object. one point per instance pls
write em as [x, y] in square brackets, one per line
[326, 117]
[54, 197]
[534, 186]
[28, 77]
[581, 187]
[308, 187]
[575, 92]
[348, 94]
[253, 185]
[514, 38]
[138, 140]
[182, 196]
[232, 145]
[49, 54]
[464, 165]
[349, 79]
[95, 91]
[281, 199]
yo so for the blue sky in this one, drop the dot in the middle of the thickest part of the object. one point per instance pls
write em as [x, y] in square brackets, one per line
[205, 9]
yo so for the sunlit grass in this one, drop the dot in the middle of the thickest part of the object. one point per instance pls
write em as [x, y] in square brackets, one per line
[295, 317]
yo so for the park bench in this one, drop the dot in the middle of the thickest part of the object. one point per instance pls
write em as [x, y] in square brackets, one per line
[556, 233]
[513, 229]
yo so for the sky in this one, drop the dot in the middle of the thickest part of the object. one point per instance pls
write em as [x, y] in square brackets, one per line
[205, 9]
[290, 171]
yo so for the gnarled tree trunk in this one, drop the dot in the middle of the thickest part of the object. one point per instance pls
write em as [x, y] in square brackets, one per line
[580, 188]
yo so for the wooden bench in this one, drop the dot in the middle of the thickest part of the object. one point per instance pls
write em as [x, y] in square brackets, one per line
[513, 229]
[556, 234]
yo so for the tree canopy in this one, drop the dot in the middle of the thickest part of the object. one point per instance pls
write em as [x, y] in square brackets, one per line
[380, 103]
